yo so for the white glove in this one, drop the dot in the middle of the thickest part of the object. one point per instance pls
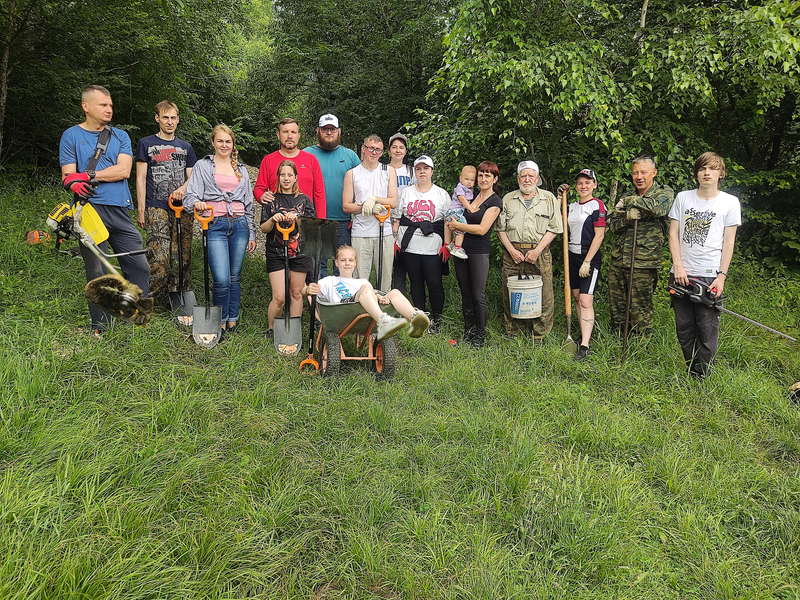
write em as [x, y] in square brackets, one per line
[585, 269]
[620, 207]
[634, 214]
[368, 206]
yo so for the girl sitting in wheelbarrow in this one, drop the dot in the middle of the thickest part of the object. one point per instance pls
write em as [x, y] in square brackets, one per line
[289, 204]
[345, 289]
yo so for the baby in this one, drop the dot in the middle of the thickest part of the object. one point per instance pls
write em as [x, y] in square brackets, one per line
[343, 289]
[462, 197]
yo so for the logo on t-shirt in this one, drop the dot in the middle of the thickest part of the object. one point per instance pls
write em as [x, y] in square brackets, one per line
[343, 290]
[696, 226]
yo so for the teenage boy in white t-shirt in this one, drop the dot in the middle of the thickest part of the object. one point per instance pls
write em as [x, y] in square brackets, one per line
[702, 233]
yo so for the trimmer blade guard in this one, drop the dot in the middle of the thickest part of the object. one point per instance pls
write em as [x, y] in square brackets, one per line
[119, 298]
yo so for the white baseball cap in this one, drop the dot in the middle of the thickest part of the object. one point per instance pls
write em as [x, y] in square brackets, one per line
[424, 160]
[527, 164]
[329, 119]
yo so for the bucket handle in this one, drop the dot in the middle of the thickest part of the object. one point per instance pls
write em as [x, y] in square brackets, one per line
[522, 274]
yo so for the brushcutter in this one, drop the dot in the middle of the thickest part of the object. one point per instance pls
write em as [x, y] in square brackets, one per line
[699, 292]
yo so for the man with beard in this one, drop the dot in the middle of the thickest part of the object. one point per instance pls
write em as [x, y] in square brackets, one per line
[334, 161]
[309, 175]
[529, 221]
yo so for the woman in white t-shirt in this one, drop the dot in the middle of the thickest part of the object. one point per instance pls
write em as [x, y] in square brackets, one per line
[420, 237]
[702, 233]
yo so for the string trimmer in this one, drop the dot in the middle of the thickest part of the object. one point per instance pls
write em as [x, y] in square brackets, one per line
[698, 292]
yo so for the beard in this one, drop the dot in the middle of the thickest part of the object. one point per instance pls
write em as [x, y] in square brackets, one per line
[331, 145]
[527, 189]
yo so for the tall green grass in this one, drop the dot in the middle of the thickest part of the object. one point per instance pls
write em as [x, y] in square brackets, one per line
[141, 466]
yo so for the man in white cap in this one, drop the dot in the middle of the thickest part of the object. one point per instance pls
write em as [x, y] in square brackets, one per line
[335, 161]
[367, 188]
[529, 221]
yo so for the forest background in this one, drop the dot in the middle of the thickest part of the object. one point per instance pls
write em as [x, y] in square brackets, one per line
[569, 83]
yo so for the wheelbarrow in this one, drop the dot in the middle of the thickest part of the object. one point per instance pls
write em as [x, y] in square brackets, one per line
[340, 320]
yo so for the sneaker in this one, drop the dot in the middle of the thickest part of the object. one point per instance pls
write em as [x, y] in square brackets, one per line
[436, 325]
[270, 334]
[582, 353]
[477, 341]
[451, 247]
[419, 324]
[459, 253]
[388, 326]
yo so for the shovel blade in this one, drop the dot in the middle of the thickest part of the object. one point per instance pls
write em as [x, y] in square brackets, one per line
[569, 346]
[183, 303]
[288, 343]
[207, 325]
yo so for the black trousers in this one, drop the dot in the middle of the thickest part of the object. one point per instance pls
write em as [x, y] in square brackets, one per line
[425, 270]
[472, 274]
[697, 328]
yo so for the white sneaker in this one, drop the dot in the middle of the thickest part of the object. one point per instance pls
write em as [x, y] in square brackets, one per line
[388, 326]
[450, 247]
[419, 324]
[458, 253]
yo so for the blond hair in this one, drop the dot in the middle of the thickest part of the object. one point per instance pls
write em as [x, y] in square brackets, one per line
[234, 152]
[469, 170]
[295, 187]
[164, 106]
[709, 159]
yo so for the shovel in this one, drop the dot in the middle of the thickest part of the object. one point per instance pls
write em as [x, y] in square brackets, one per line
[288, 338]
[381, 219]
[206, 320]
[182, 301]
[319, 241]
[569, 346]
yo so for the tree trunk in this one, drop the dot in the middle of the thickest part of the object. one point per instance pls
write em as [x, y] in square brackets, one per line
[4, 68]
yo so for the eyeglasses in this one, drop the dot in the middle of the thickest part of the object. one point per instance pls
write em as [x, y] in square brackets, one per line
[372, 149]
[328, 129]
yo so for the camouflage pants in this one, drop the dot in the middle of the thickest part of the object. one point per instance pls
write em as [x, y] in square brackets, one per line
[644, 286]
[161, 250]
[544, 267]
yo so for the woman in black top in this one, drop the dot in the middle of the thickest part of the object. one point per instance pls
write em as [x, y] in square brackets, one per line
[288, 204]
[473, 271]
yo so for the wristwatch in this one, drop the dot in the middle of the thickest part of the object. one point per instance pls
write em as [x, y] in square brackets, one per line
[91, 173]
[722, 273]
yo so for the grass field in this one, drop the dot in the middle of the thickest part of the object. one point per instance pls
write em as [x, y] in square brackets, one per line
[141, 466]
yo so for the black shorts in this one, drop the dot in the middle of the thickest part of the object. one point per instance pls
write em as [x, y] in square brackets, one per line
[586, 285]
[299, 264]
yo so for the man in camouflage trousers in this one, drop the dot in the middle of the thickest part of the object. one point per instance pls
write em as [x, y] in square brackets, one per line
[649, 204]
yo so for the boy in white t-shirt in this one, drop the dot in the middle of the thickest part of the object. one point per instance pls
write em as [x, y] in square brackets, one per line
[344, 288]
[702, 233]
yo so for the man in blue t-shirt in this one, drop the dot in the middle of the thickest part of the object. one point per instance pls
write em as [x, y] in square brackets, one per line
[163, 165]
[106, 187]
[334, 161]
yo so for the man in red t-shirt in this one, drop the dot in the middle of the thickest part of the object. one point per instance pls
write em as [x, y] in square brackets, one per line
[309, 175]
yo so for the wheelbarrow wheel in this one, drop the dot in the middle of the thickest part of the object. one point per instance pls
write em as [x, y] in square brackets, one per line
[331, 356]
[385, 359]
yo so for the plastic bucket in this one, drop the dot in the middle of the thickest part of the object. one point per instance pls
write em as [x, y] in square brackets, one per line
[525, 296]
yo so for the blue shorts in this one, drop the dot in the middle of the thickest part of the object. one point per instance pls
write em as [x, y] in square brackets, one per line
[456, 213]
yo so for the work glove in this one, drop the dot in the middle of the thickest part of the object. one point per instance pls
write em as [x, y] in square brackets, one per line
[620, 206]
[397, 250]
[564, 187]
[78, 183]
[634, 214]
[368, 207]
[585, 269]
[445, 254]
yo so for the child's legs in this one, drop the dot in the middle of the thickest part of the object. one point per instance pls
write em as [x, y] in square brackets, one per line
[459, 237]
[365, 296]
[400, 303]
[296, 283]
[278, 284]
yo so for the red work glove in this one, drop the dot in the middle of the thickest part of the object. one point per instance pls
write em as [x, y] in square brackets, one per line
[78, 183]
[397, 250]
[445, 254]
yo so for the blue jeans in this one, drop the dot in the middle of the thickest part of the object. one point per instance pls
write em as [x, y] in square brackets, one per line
[343, 237]
[227, 244]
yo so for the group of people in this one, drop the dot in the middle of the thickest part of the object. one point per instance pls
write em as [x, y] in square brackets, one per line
[393, 218]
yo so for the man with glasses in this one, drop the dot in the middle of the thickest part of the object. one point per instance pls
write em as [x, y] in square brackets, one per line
[529, 221]
[367, 188]
[649, 204]
[309, 174]
[335, 161]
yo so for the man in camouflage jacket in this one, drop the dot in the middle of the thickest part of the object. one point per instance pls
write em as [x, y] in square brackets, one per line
[649, 204]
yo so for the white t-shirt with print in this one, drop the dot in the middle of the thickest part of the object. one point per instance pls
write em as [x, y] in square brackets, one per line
[419, 206]
[337, 289]
[702, 226]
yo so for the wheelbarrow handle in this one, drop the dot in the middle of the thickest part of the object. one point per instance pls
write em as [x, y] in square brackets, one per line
[285, 231]
[176, 208]
[382, 218]
[204, 220]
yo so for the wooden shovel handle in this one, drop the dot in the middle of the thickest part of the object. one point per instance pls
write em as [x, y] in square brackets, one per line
[567, 290]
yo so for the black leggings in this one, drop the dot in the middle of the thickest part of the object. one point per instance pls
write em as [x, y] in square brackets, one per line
[472, 274]
[424, 269]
